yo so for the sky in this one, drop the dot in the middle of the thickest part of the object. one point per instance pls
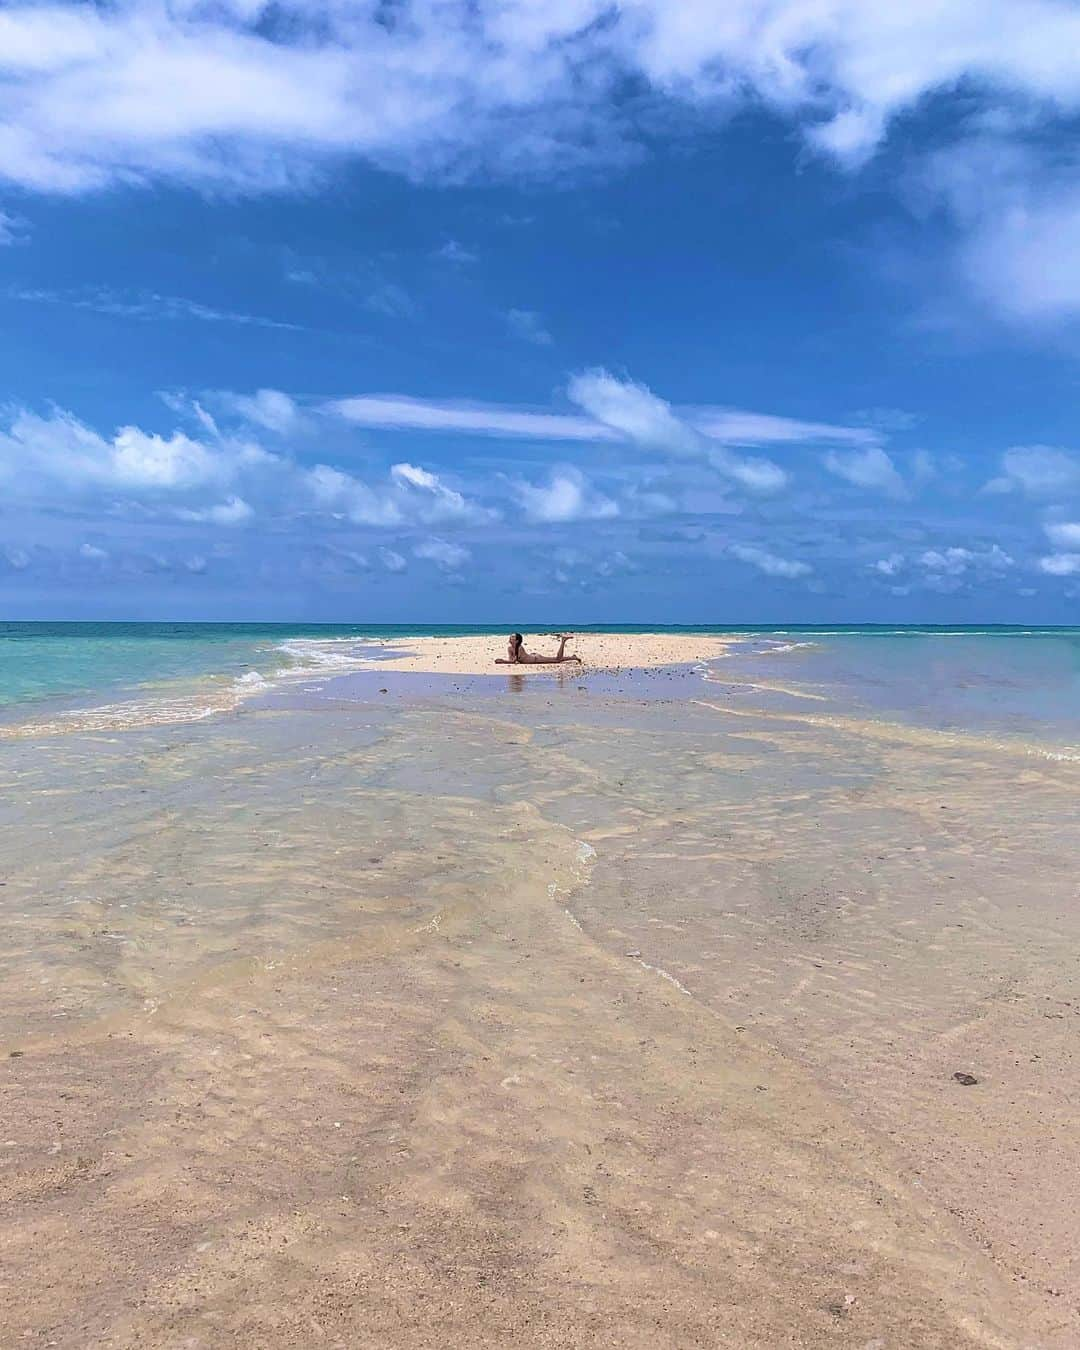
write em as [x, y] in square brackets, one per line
[562, 311]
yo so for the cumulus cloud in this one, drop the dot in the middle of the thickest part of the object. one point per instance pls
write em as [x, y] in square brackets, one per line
[769, 563]
[947, 569]
[50, 458]
[1037, 470]
[255, 95]
[267, 408]
[1060, 564]
[449, 557]
[438, 501]
[1018, 202]
[232, 511]
[870, 468]
[959, 561]
[1064, 534]
[567, 496]
[92, 553]
[61, 449]
[346, 495]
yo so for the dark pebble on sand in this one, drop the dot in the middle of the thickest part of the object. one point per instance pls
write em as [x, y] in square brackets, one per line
[968, 1079]
[16, 1054]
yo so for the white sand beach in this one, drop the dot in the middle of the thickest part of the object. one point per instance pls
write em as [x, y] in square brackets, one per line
[598, 651]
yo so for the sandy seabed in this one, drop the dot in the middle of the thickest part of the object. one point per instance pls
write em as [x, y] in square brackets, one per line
[566, 1020]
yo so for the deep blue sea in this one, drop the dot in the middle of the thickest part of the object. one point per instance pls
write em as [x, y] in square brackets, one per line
[1010, 680]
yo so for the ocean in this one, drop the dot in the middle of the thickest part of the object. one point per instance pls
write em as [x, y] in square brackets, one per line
[1006, 680]
[538, 993]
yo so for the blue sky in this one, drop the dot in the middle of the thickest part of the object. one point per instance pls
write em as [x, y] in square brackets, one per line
[757, 312]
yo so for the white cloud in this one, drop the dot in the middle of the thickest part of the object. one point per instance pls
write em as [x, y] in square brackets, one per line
[958, 561]
[769, 563]
[439, 502]
[343, 494]
[1026, 259]
[1037, 470]
[143, 305]
[392, 560]
[454, 252]
[567, 496]
[527, 325]
[267, 408]
[1063, 534]
[61, 449]
[17, 558]
[870, 468]
[733, 426]
[400, 412]
[888, 567]
[251, 96]
[636, 413]
[183, 477]
[92, 553]
[620, 411]
[444, 554]
[11, 229]
[1019, 204]
[1060, 564]
[232, 511]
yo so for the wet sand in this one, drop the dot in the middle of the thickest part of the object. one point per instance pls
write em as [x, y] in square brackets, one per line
[571, 1019]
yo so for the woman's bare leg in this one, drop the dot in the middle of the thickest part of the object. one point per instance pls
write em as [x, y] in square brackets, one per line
[560, 657]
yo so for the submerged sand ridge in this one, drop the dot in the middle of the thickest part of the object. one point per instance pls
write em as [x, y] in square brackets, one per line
[334, 1031]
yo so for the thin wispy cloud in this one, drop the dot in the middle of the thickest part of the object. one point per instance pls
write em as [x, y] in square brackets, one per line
[402, 412]
[145, 306]
[770, 563]
[527, 325]
[442, 553]
[612, 422]
[452, 251]
[12, 230]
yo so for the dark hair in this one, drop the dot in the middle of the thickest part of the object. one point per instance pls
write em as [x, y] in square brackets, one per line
[516, 639]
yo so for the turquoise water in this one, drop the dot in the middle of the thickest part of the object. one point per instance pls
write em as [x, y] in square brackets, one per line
[1017, 680]
[55, 660]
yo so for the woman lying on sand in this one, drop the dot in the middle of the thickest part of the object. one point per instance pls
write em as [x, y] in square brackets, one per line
[518, 656]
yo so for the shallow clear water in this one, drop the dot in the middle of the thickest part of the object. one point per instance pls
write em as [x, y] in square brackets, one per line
[1017, 682]
[1009, 680]
[54, 660]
